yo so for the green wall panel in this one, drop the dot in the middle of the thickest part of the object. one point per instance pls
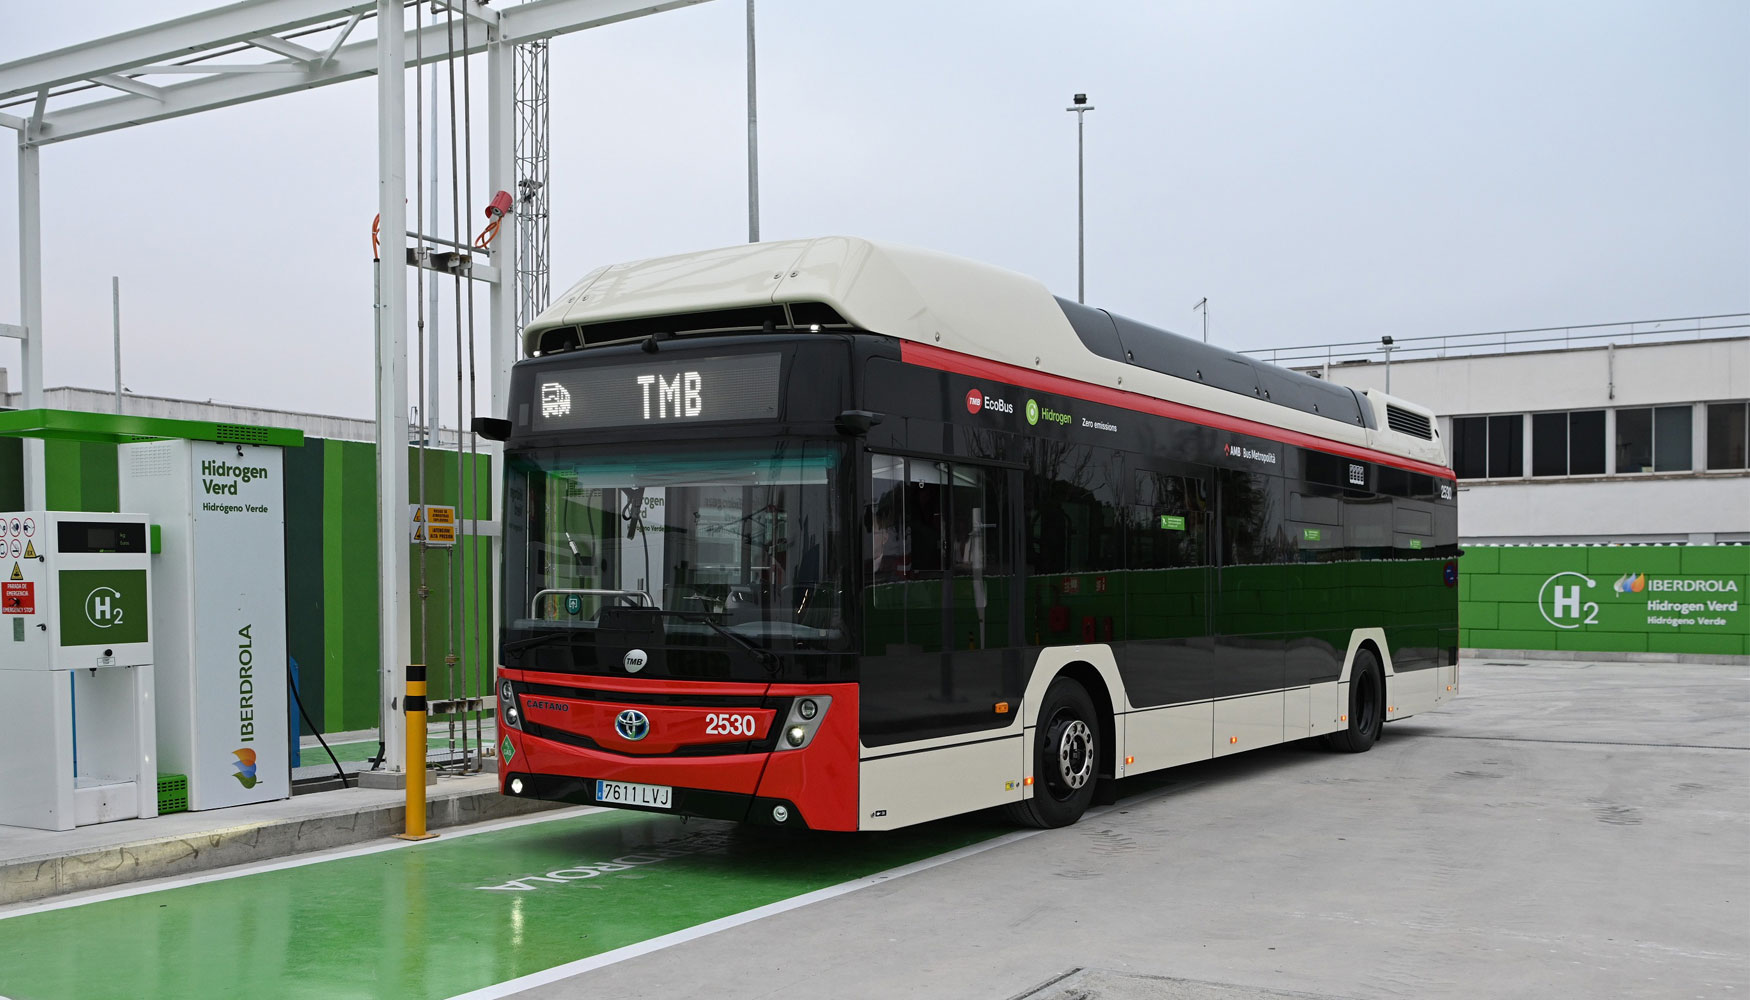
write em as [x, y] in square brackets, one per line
[1630, 598]
[11, 473]
[306, 631]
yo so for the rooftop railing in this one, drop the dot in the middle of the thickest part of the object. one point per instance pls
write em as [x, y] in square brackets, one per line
[1542, 338]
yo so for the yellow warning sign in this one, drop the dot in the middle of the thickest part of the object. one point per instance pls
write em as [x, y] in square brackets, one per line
[418, 514]
[441, 515]
[30, 550]
[419, 532]
[17, 574]
[440, 534]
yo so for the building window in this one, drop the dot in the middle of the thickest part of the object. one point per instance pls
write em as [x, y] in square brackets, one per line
[1728, 435]
[1567, 444]
[1654, 440]
[1489, 447]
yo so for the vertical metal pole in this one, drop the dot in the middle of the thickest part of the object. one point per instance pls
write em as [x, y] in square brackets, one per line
[392, 526]
[502, 339]
[753, 138]
[414, 704]
[115, 288]
[428, 405]
[30, 305]
[1081, 282]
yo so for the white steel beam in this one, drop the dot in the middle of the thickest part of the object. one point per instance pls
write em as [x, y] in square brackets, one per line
[30, 307]
[130, 85]
[291, 50]
[232, 84]
[394, 643]
[176, 39]
[540, 19]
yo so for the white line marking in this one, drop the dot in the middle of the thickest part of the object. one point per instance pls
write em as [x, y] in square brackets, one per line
[583, 965]
[314, 858]
[655, 944]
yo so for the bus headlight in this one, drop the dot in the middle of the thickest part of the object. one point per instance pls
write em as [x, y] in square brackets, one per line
[508, 712]
[806, 715]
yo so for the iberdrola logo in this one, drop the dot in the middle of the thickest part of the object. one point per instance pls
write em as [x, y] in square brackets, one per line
[245, 767]
[1631, 584]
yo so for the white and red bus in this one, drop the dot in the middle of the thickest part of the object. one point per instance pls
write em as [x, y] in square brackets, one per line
[840, 535]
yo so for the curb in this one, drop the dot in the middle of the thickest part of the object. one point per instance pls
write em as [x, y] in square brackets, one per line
[34, 878]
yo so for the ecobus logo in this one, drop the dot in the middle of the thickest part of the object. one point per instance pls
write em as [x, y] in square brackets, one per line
[977, 401]
[1558, 600]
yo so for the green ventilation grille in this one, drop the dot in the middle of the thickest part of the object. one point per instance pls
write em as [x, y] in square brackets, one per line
[172, 793]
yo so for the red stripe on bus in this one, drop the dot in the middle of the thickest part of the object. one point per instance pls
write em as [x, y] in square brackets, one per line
[941, 359]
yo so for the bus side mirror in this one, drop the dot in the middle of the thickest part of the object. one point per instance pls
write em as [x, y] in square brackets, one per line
[492, 428]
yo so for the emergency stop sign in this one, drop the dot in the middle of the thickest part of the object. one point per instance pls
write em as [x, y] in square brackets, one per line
[18, 598]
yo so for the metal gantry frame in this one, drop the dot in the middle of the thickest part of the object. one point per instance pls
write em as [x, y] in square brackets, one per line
[136, 77]
[534, 288]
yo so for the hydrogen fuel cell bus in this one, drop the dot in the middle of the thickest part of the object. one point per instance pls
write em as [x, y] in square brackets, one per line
[840, 535]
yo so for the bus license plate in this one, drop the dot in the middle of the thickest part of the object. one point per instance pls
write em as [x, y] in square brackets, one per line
[625, 793]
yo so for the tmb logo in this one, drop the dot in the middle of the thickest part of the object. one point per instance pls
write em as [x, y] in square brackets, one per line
[974, 401]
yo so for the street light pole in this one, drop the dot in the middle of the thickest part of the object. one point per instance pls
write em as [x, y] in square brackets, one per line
[1204, 306]
[753, 139]
[1386, 342]
[1082, 107]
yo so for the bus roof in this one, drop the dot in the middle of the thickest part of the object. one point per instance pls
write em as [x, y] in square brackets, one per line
[976, 309]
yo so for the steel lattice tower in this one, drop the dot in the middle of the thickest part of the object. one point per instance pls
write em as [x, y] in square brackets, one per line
[533, 291]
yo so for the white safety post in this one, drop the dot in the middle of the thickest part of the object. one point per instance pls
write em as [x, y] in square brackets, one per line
[502, 338]
[394, 642]
[30, 304]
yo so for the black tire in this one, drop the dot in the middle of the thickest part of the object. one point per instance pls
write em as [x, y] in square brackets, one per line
[1066, 758]
[1366, 706]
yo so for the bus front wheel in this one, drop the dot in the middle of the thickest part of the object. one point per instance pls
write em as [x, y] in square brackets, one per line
[1066, 758]
[1366, 706]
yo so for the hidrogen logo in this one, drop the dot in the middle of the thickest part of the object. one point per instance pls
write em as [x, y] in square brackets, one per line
[976, 401]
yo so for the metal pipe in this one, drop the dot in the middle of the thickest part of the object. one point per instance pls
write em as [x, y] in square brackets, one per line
[115, 289]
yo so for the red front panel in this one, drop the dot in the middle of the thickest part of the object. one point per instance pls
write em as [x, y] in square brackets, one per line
[671, 726]
[820, 778]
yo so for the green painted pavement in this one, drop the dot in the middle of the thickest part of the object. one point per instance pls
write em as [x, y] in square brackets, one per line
[420, 922]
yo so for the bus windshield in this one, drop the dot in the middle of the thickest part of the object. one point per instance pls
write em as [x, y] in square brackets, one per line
[744, 541]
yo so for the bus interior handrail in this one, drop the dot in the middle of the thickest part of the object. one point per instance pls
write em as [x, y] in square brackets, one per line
[535, 603]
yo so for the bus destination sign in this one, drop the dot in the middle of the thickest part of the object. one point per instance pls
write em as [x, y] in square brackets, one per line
[656, 392]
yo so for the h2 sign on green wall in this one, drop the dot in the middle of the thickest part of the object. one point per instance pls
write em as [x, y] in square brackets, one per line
[1681, 599]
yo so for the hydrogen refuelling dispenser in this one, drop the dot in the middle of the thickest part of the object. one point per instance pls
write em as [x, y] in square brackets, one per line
[76, 654]
[220, 615]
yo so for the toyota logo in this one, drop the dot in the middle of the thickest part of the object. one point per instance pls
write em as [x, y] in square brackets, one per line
[632, 724]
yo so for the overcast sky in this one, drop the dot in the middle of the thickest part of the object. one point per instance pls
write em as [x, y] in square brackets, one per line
[1321, 171]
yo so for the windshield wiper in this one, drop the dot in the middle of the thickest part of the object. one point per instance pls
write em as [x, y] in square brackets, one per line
[766, 657]
[537, 640]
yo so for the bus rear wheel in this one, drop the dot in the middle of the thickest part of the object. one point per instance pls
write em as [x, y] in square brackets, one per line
[1366, 706]
[1066, 758]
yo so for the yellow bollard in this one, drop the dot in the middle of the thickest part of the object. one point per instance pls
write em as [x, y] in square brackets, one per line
[414, 704]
